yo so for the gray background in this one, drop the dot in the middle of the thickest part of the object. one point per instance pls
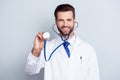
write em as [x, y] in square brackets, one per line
[21, 20]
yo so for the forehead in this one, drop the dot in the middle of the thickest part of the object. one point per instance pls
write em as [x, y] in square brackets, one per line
[66, 14]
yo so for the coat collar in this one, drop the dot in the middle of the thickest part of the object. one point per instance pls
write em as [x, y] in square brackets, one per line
[71, 41]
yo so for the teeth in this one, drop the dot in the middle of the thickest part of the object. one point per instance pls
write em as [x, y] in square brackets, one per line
[65, 28]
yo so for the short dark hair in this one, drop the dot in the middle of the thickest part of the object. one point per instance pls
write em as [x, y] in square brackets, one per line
[64, 8]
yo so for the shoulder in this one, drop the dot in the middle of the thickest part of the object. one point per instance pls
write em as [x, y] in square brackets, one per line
[84, 44]
[86, 48]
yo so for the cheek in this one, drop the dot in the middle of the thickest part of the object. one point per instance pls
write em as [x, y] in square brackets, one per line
[71, 23]
[59, 25]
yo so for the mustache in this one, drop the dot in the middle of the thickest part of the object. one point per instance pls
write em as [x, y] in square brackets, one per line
[65, 27]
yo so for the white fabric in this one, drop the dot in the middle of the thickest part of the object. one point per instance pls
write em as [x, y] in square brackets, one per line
[82, 64]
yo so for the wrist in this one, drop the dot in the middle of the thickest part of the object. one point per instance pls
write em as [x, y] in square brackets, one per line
[36, 52]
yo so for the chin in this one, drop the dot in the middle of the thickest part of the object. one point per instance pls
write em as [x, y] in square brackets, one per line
[65, 34]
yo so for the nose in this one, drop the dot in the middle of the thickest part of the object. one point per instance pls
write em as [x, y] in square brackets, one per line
[65, 23]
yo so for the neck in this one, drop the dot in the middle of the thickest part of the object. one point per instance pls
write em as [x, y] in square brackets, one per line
[70, 36]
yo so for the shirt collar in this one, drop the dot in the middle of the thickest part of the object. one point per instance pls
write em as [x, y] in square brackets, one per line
[72, 40]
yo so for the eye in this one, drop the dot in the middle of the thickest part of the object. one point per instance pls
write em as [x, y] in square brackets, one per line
[60, 20]
[69, 19]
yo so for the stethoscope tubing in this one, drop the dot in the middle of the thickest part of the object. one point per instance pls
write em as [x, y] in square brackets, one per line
[57, 46]
[52, 51]
[53, 28]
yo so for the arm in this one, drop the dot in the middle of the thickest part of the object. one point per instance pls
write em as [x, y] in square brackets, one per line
[34, 64]
[35, 60]
[93, 66]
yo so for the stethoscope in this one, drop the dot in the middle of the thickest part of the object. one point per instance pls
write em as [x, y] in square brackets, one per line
[63, 39]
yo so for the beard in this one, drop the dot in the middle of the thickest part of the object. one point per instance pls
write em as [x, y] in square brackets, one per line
[65, 33]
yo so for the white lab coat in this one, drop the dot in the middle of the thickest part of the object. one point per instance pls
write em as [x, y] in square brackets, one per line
[82, 64]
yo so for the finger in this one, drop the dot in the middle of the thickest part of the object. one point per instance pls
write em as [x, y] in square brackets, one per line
[40, 35]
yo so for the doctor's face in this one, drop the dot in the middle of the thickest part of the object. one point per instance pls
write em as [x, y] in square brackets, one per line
[65, 22]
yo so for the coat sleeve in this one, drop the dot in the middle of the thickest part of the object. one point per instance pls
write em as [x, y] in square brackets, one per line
[93, 68]
[34, 64]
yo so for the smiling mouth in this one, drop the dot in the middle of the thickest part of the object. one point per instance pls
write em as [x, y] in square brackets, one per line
[65, 28]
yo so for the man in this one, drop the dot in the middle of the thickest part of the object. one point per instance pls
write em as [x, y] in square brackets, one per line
[79, 62]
